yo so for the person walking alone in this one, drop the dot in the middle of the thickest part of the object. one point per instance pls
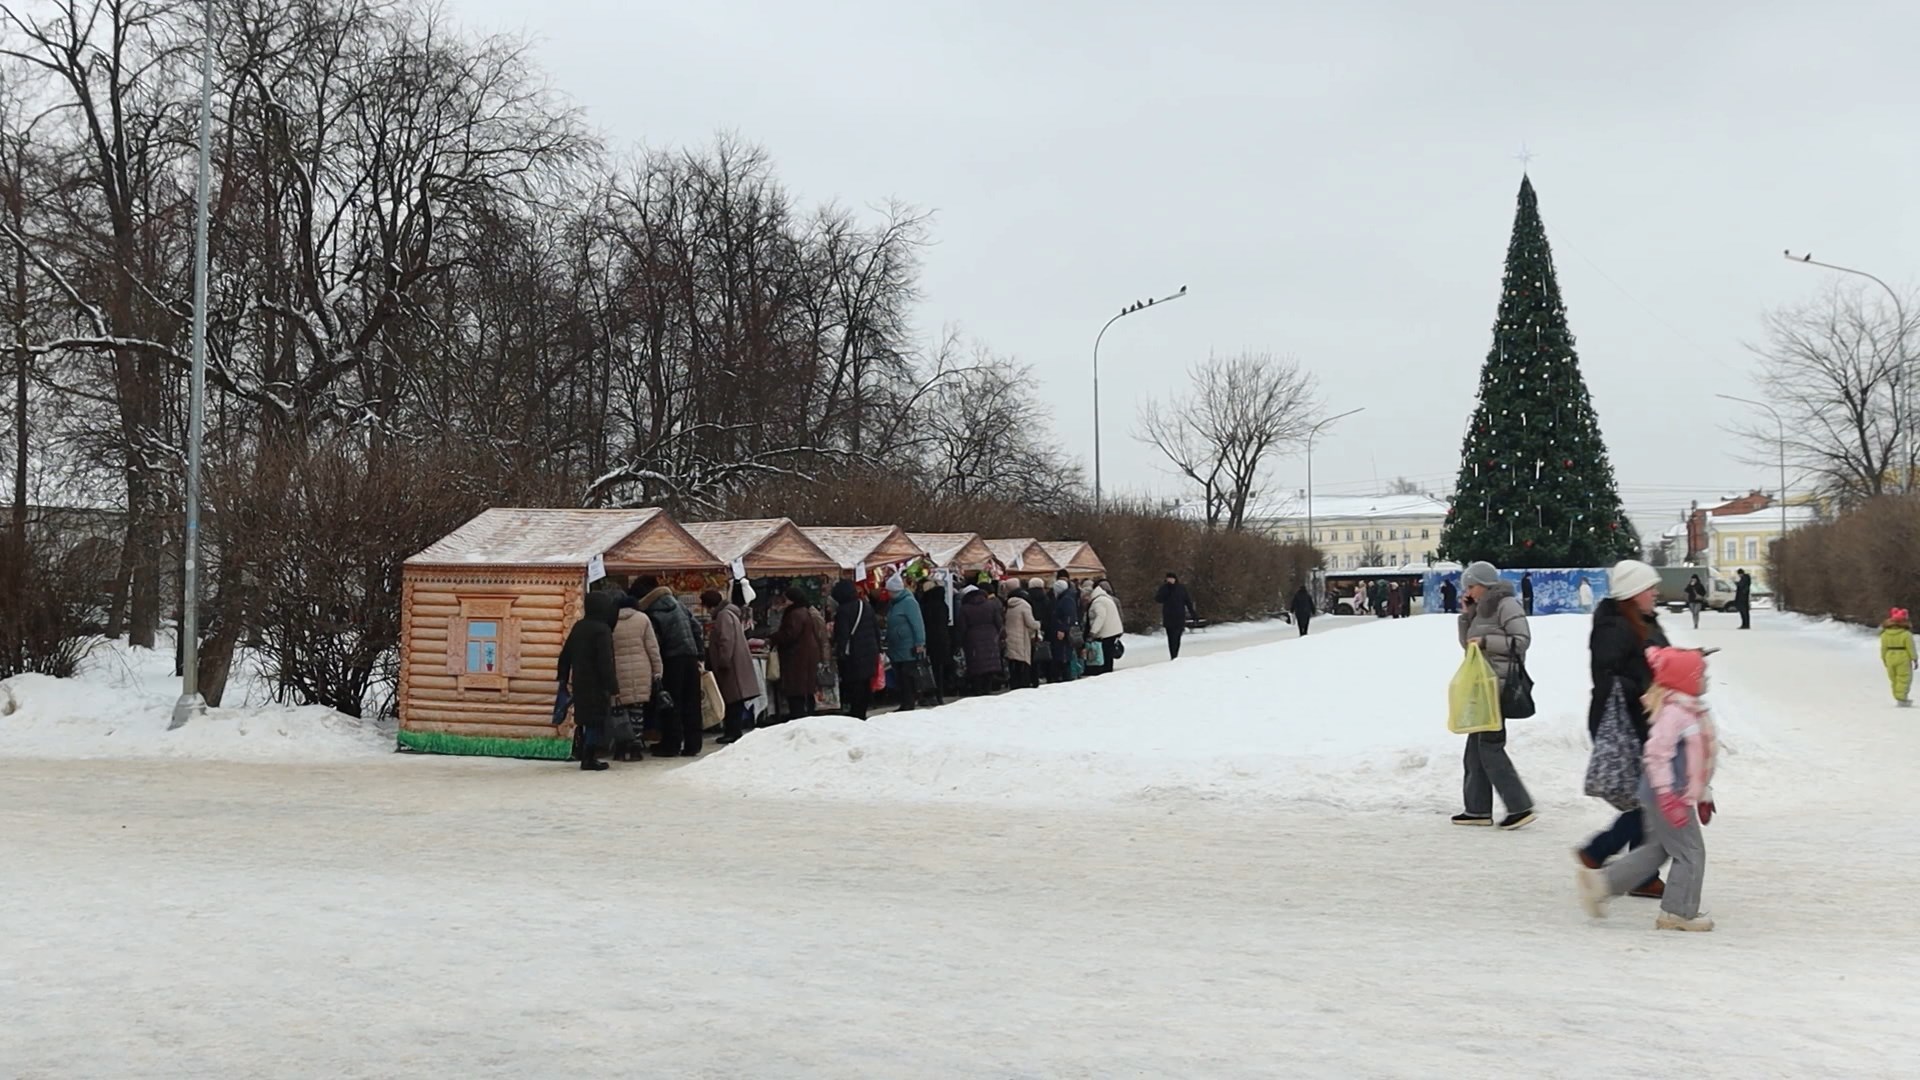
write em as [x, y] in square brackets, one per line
[1302, 609]
[1495, 621]
[1696, 599]
[1176, 607]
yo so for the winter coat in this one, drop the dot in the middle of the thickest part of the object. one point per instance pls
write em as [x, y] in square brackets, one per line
[1021, 629]
[1176, 604]
[1617, 653]
[1066, 617]
[981, 632]
[678, 632]
[728, 657]
[1743, 592]
[1104, 619]
[1500, 623]
[1696, 594]
[1681, 747]
[586, 660]
[802, 641]
[933, 615]
[906, 628]
[636, 658]
[1302, 606]
[856, 630]
[1526, 586]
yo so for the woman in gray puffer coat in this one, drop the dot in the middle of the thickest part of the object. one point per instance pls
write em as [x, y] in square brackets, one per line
[1493, 617]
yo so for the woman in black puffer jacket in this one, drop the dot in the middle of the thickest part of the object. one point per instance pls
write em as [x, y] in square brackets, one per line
[1625, 625]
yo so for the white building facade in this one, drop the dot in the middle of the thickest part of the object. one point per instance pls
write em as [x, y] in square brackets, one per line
[1354, 531]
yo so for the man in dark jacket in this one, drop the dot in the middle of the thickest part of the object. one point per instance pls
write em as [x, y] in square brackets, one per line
[856, 648]
[1176, 606]
[1066, 623]
[1449, 598]
[1302, 608]
[682, 729]
[586, 667]
[1526, 592]
[1743, 598]
[933, 613]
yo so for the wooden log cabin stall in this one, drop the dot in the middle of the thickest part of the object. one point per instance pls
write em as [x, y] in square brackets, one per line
[485, 610]
[1077, 558]
[771, 555]
[1025, 557]
[960, 554]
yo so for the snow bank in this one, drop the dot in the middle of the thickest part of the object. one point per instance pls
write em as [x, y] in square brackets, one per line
[1351, 720]
[122, 700]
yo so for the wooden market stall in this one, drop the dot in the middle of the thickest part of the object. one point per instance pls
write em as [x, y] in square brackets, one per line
[484, 612]
[866, 553]
[1076, 557]
[1026, 557]
[765, 548]
[962, 553]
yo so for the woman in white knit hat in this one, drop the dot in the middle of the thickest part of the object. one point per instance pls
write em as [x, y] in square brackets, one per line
[1625, 625]
[1493, 618]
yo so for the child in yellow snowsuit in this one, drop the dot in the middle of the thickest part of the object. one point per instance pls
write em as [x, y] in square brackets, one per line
[1896, 652]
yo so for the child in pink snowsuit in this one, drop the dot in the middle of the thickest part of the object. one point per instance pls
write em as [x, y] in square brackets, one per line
[1676, 796]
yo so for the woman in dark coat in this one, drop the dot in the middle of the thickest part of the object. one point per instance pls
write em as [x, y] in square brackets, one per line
[586, 667]
[1302, 609]
[982, 632]
[1625, 625]
[856, 648]
[731, 662]
[802, 643]
[933, 612]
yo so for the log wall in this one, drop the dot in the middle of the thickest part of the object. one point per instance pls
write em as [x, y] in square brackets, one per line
[514, 704]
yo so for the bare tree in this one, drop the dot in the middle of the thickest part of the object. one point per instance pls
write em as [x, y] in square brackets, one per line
[1403, 486]
[1239, 413]
[1835, 369]
[1373, 553]
[983, 433]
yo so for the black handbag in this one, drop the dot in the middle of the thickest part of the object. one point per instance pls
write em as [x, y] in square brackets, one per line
[1516, 691]
[1116, 649]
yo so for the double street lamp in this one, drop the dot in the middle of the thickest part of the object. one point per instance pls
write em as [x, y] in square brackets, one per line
[1133, 309]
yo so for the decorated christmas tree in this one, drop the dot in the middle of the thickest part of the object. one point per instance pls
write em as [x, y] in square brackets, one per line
[1535, 487]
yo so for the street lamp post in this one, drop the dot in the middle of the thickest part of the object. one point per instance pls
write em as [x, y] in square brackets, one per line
[1783, 451]
[1899, 344]
[1311, 432]
[1136, 307]
[190, 702]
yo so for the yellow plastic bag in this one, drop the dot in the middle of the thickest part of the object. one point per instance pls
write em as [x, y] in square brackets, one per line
[1473, 699]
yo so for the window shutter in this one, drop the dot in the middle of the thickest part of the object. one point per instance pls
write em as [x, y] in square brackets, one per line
[510, 647]
[457, 645]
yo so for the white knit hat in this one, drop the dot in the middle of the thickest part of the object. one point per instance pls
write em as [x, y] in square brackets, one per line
[1629, 578]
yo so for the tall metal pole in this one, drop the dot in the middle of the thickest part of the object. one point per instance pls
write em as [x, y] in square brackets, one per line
[1899, 344]
[1782, 425]
[1311, 432]
[190, 702]
[1137, 306]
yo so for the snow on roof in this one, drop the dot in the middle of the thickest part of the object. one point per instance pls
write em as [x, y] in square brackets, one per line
[852, 546]
[731, 540]
[1292, 508]
[533, 536]
[944, 548]
[1797, 516]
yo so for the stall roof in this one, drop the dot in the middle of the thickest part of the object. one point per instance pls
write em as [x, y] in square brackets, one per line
[768, 547]
[954, 551]
[1074, 556]
[1025, 556]
[643, 539]
[872, 545]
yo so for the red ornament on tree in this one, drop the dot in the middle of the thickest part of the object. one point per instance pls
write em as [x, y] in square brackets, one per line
[1529, 543]
[1613, 525]
[1567, 463]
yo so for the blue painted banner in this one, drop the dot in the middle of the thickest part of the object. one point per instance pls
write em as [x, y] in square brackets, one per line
[1555, 592]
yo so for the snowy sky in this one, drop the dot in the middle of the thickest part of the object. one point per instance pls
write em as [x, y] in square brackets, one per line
[1331, 181]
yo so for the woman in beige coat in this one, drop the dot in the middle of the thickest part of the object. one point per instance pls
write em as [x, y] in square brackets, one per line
[637, 663]
[731, 663]
[1022, 630]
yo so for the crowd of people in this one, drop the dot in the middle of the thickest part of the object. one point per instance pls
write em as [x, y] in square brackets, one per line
[1649, 723]
[639, 660]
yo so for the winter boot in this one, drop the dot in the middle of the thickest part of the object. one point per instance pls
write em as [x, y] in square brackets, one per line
[1652, 890]
[1473, 819]
[1699, 924]
[1594, 893]
[1906, 703]
[1580, 856]
[1518, 821]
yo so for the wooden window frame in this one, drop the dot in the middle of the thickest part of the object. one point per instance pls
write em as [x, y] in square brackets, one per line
[493, 609]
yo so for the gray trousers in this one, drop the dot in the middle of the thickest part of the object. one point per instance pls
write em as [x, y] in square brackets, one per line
[1686, 847]
[1489, 768]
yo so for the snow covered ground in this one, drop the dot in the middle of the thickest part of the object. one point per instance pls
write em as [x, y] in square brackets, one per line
[122, 701]
[1262, 912]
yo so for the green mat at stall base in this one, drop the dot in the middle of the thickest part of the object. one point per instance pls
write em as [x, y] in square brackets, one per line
[436, 742]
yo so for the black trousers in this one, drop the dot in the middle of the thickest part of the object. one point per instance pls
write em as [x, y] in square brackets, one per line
[799, 705]
[733, 722]
[856, 689]
[1020, 675]
[680, 728]
[590, 739]
[1174, 633]
[1746, 616]
[1303, 625]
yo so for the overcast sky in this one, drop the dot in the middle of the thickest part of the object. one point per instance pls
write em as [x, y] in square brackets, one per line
[1331, 181]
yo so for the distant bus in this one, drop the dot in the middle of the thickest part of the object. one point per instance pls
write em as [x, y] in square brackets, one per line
[1338, 587]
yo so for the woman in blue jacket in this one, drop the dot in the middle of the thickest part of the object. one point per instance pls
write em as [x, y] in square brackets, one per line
[906, 641]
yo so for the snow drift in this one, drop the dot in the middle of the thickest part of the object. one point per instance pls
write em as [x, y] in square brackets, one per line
[1354, 719]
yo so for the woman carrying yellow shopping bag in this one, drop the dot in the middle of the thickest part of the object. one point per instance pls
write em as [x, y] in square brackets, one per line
[1493, 625]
